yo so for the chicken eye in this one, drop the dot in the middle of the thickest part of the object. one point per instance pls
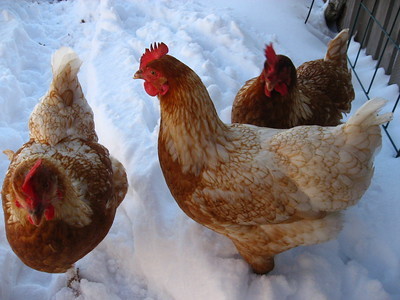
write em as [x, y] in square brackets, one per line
[154, 73]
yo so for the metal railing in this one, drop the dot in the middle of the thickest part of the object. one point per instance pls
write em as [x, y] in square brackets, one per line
[387, 40]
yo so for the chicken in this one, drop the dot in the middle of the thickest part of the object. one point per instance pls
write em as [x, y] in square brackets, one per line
[62, 188]
[268, 190]
[317, 93]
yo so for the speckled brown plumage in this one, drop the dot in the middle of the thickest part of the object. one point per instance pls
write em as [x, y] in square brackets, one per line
[91, 184]
[319, 93]
[268, 190]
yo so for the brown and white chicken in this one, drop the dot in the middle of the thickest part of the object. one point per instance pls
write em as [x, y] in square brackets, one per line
[317, 93]
[62, 188]
[268, 190]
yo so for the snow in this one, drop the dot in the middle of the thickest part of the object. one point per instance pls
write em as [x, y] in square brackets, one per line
[153, 251]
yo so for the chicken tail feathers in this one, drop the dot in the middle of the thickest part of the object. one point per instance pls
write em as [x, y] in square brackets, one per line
[65, 63]
[337, 48]
[362, 129]
[367, 114]
[63, 111]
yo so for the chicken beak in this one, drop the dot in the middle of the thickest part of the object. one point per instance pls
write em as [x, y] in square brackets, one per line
[268, 88]
[34, 219]
[138, 75]
[35, 216]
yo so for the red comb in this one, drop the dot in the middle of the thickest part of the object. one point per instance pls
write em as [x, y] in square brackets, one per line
[26, 187]
[156, 51]
[270, 54]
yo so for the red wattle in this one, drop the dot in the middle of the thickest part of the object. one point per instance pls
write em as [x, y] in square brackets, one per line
[150, 89]
[30, 220]
[281, 88]
[49, 212]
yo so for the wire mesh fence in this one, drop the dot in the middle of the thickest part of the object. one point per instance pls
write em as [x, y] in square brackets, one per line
[380, 37]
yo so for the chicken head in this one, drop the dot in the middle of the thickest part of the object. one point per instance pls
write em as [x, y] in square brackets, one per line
[279, 72]
[37, 188]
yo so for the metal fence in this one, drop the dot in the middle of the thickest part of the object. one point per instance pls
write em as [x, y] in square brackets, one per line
[376, 26]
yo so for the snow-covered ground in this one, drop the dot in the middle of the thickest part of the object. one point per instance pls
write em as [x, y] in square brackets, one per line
[153, 251]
